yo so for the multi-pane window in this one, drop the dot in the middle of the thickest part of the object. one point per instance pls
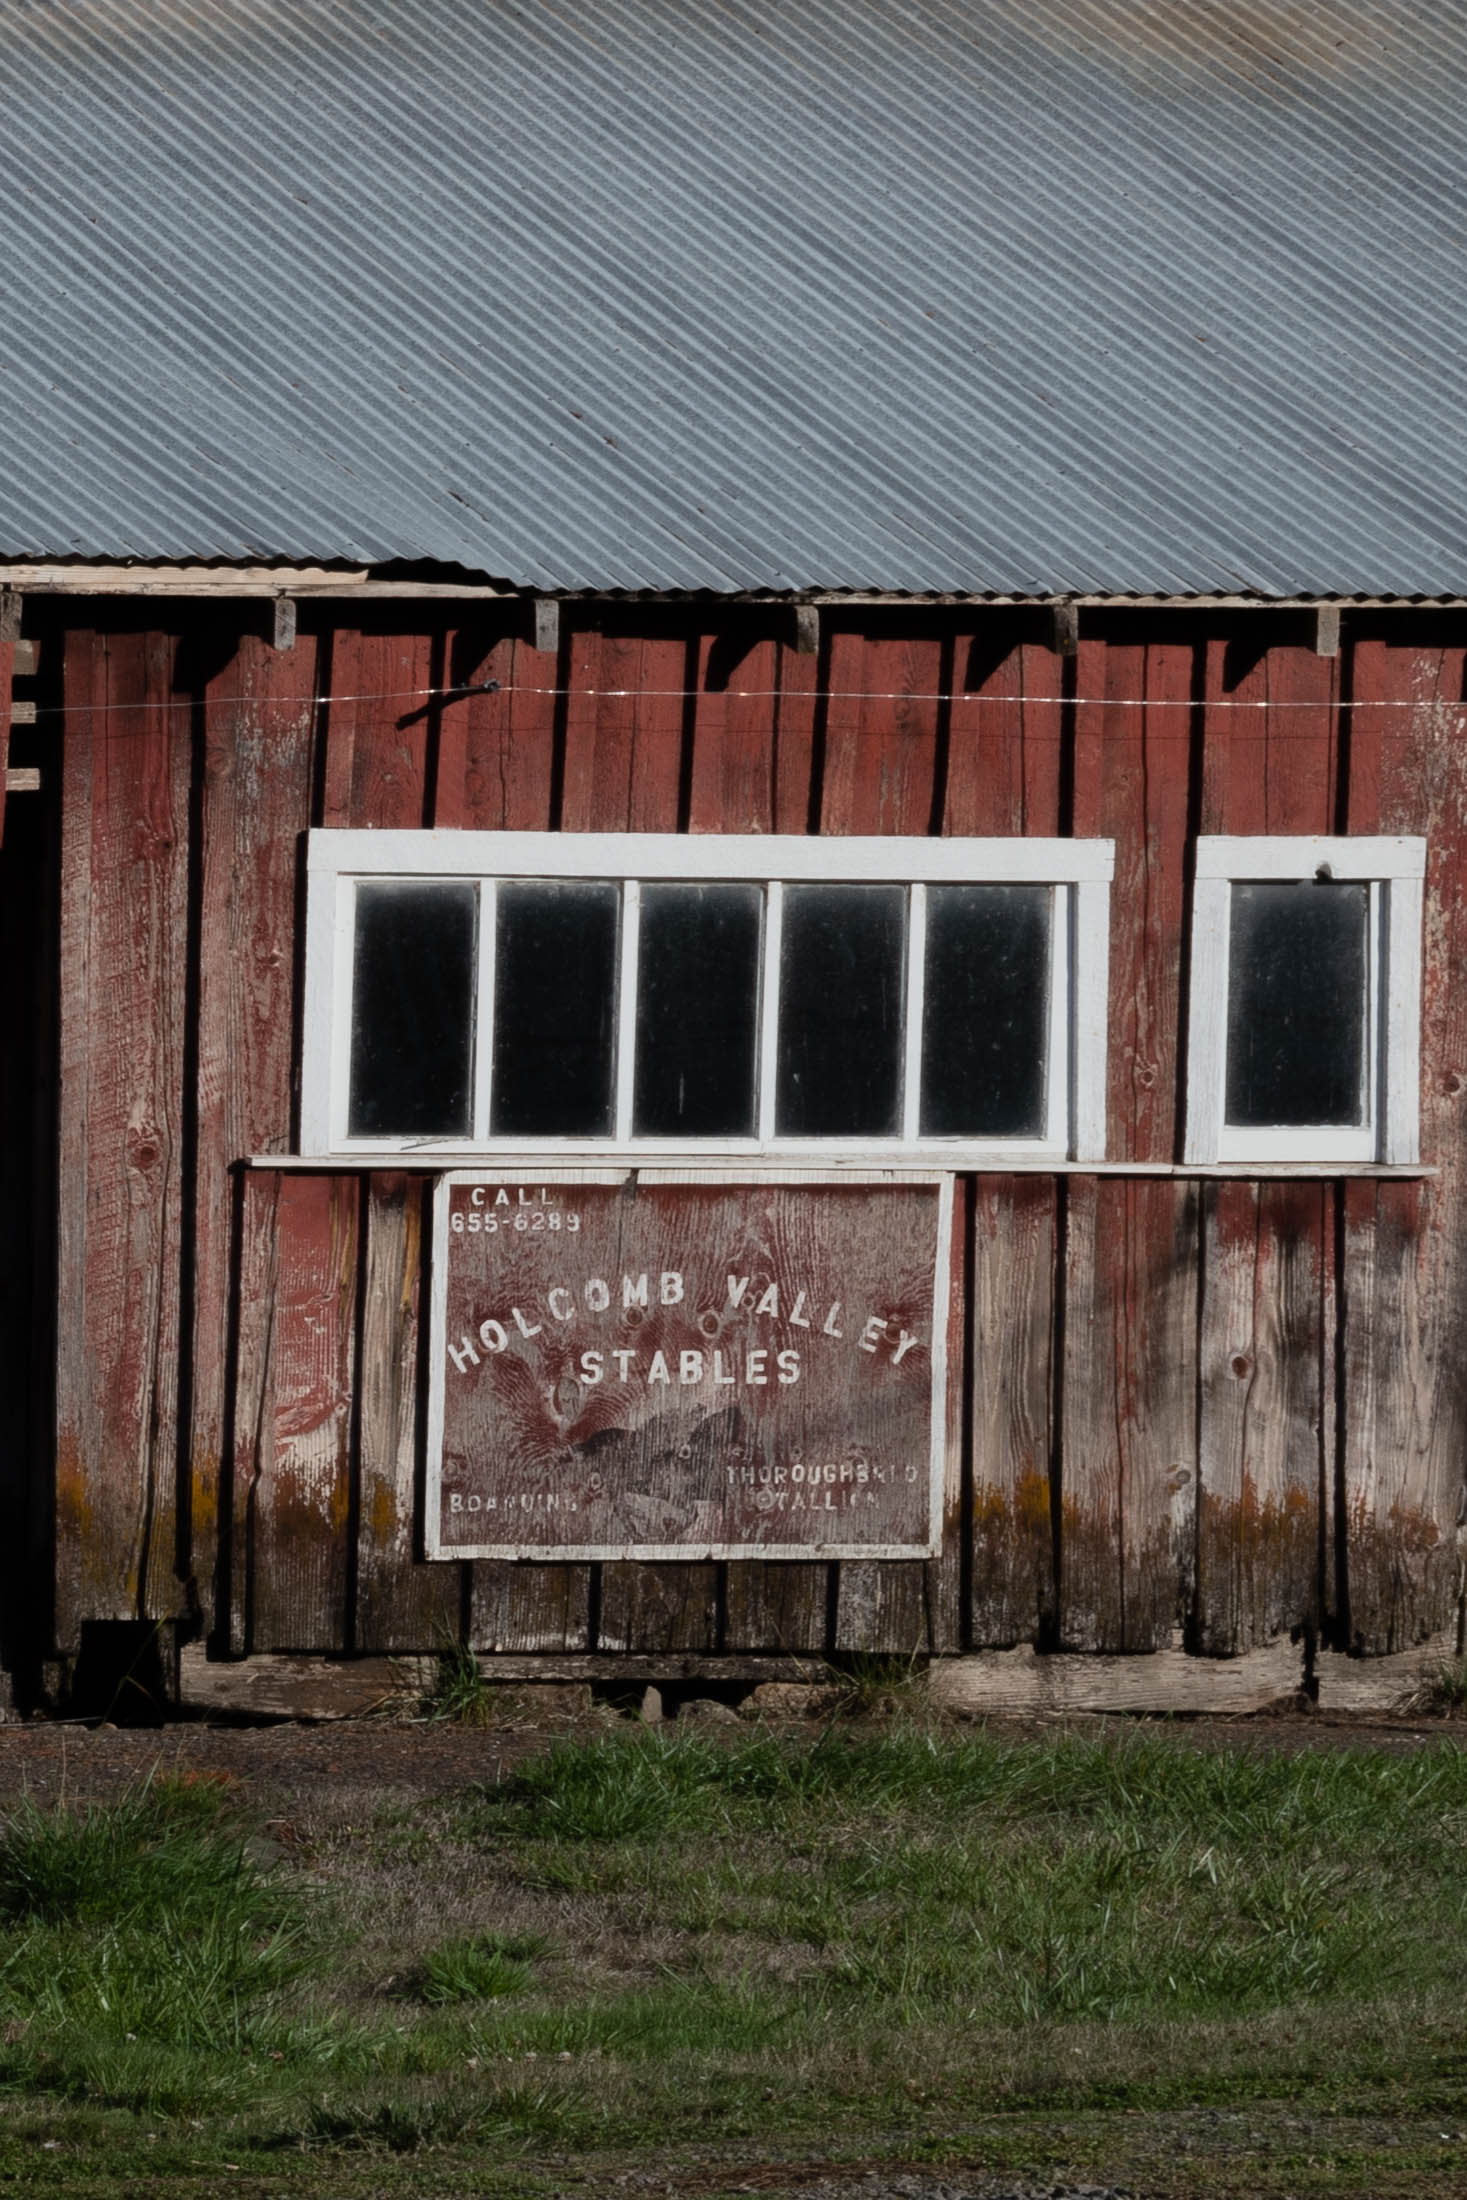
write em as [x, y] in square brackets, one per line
[486, 991]
[1305, 1000]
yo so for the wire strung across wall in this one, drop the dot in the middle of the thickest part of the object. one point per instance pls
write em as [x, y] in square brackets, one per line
[462, 690]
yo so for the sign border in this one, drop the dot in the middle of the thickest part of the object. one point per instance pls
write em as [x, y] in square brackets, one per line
[434, 1547]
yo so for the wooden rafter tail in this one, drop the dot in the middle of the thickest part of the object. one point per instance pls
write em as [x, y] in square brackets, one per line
[13, 782]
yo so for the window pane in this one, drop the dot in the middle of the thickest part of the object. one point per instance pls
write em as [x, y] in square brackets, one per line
[840, 1012]
[412, 1010]
[554, 995]
[985, 1013]
[1296, 1003]
[697, 1011]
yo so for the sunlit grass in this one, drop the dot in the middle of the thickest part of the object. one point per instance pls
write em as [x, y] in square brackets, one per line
[653, 1937]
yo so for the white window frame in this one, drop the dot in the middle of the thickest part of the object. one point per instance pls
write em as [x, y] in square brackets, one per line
[1394, 869]
[1078, 870]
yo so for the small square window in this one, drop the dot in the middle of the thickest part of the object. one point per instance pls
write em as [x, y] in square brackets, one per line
[1305, 1000]
[720, 995]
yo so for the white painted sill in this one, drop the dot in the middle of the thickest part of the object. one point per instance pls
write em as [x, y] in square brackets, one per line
[420, 1161]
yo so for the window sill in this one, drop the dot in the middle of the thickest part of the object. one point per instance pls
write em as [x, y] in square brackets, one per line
[417, 1161]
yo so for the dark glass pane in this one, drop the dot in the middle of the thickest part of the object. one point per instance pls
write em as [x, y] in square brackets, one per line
[840, 1012]
[554, 996]
[985, 1011]
[697, 1011]
[1296, 1003]
[412, 1010]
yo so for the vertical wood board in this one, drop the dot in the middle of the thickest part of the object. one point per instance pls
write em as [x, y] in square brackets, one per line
[496, 752]
[1014, 1592]
[752, 755]
[1404, 1480]
[1129, 1376]
[123, 936]
[297, 1377]
[401, 1603]
[254, 806]
[629, 700]
[1268, 1249]
[880, 775]
[1262, 1371]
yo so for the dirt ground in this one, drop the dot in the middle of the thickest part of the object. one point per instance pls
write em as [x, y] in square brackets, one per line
[331, 1769]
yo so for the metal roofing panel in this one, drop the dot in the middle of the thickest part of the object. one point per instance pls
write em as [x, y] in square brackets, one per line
[1009, 296]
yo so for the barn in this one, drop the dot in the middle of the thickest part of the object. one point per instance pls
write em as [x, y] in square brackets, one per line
[735, 845]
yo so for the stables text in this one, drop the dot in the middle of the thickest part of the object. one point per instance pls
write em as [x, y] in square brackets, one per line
[598, 1299]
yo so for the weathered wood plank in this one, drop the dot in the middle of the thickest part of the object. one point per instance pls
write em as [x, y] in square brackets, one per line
[314, 1687]
[7, 675]
[1268, 769]
[1258, 1531]
[777, 1604]
[305, 1688]
[798, 705]
[123, 983]
[294, 1408]
[377, 727]
[401, 1603]
[1015, 1596]
[1267, 1249]
[752, 733]
[1404, 1496]
[496, 773]
[255, 803]
[734, 767]
[944, 1585]
[525, 1607]
[880, 732]
[1401, 1515]
[256, 1198]
[627, 711]
[880, 774]
[378, 769]
[1129, 1394]
[1005, 732]
[496, 753]
[625, 714]
[658, 1608]
[1395, 1683]
[1019, 1684]
[1128, 1457]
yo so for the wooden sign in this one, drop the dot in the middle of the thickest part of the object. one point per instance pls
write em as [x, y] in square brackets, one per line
[648, 1366]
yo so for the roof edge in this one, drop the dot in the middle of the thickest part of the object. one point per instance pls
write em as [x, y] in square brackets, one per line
[95, 577]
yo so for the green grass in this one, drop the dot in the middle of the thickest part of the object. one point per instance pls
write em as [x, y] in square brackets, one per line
[1445, 1694]
[144, 1956]
[459, 1694]
[939, 1946]
[480, 1969]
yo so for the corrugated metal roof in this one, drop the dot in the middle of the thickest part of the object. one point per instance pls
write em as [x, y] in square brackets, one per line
[1010, 296]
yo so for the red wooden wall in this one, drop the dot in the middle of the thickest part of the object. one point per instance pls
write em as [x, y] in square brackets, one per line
[1232, 1408]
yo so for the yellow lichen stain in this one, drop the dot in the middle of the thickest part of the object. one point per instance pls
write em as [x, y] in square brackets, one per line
[204, 1494]
[1031, 1502]
[1000, 1515]
[338, 1504]
[1252, 1526]
[384, 1523]
[412, 1237]
[73, 1507]
[1405, 1528]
